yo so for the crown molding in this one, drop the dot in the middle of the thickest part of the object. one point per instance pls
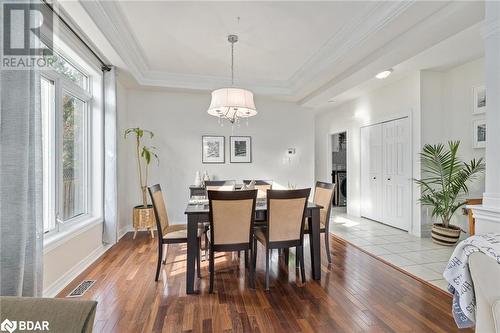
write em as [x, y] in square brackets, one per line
[109, 18]
[375, 17]
[209, 82]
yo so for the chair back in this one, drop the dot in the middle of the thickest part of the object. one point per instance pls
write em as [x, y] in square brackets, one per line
[220, 185]
[261, 186]
[323, 196]
[286, 211]
[160, 209]
[232, 216]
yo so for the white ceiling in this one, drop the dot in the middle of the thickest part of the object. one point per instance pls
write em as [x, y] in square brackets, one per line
[276, 38]
[308, 52]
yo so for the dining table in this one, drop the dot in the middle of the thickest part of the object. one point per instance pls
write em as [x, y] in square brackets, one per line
[197, 212]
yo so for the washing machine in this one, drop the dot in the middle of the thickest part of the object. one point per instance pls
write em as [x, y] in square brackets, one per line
[339, 177]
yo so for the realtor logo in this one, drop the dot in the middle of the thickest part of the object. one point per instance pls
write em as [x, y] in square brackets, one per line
[23, 24]
[8, 326]
[24, 326]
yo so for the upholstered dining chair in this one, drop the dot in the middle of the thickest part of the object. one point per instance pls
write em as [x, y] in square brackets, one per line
[285, 225]
[216, 185]
[231, 225]
[323, 196]
[261, 185]
[168, 233]
[220, 185]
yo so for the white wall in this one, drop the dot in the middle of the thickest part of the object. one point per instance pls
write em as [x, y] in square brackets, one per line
[64, 260]
[180, 119]
[447, 115]
[391, 101]
[441, 107]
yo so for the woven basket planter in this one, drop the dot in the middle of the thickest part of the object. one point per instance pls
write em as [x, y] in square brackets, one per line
[445, 236]
[143, 218]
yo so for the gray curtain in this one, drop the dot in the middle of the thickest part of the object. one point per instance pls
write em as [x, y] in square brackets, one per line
[110, 230]
[21, 225]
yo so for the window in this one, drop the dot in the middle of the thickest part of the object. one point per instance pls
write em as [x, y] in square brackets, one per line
[73, 157]
[65, 68]
[70, 96]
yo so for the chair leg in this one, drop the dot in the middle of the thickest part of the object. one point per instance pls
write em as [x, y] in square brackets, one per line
[286, 253]
[160, 256]
[327, 247]
[297, 257]
[206, 245]
[246, 258]
[254, 254]
[267, 268]
[198, 259]
[302, 271]
[251, 276]
[212, 269]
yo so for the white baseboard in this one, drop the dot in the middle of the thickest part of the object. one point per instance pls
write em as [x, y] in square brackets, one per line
[124, 230]
[64, 280]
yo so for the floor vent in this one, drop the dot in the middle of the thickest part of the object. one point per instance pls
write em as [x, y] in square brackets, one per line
[81, 288]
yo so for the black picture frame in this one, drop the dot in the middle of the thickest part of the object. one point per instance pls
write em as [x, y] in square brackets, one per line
[232, 154]
[206, 159]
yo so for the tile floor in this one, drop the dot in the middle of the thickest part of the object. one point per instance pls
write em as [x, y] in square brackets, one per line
[418, 256]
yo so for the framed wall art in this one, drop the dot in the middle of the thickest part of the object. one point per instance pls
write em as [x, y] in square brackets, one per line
[240, 149]
[213, 149]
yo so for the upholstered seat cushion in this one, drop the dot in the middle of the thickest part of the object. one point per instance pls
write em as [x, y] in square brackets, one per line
[177, 231]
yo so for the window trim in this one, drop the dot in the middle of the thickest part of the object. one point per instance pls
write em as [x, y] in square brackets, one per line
[94, 140]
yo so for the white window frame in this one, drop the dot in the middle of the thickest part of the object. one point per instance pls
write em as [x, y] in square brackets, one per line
[75, 54]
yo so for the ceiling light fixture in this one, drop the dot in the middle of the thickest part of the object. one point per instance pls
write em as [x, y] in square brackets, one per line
[232, 103]
[384, 74]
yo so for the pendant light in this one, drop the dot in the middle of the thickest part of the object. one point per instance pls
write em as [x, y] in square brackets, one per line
[232, 103]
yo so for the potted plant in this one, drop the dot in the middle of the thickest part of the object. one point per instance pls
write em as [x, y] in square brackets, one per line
[143, 215]
[444, 184]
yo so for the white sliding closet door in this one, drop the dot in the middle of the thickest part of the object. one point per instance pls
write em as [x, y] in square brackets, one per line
[386, 173]
[371, 171]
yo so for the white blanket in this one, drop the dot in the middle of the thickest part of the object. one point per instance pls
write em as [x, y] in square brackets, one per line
[458, 275]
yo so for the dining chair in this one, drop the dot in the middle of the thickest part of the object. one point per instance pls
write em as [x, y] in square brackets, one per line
[231, 218]
[323, 196]
[286, 211]
[261, 185]
[220, 185]
[216, 185]
[168, 233]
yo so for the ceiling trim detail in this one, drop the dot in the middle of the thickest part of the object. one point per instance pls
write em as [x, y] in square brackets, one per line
[109, 18]
[376, 16]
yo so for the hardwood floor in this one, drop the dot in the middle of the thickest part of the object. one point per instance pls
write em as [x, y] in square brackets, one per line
[357, 294]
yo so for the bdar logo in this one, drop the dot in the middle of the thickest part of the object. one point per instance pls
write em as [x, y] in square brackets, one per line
[8, 325]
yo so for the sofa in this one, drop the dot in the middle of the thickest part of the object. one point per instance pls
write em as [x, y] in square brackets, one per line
[52, 314]
[485, 272]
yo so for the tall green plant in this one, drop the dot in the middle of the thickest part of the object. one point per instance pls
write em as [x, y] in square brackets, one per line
[446, 179]
[144, 156]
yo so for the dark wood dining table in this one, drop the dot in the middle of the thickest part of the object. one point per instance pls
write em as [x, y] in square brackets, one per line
[198, 214]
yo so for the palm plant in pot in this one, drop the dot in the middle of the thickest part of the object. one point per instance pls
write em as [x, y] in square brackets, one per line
[143, 215]
[444, 184]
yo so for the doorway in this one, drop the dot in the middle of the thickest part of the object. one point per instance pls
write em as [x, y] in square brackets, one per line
[339, 168]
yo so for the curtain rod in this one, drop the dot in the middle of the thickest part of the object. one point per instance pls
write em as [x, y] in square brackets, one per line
[104, 67]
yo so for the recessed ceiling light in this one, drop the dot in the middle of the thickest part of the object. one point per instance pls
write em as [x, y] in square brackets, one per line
[384, 74]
